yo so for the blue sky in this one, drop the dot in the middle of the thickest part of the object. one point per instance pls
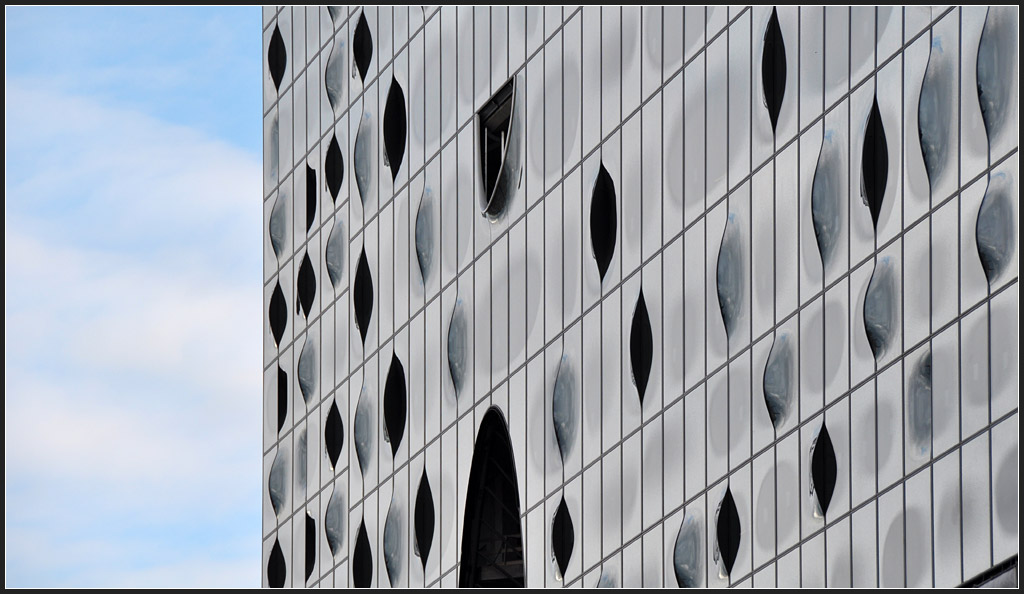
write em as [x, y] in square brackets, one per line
[133, 296]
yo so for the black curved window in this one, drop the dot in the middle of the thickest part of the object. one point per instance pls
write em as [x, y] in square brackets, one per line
[492, 537]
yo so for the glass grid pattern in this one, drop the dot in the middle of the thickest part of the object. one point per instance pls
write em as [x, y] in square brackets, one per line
[670, 102]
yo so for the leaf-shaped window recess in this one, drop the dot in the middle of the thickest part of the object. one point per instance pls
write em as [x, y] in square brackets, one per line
[364, 430]
[362, 296]
[394, 405]
[875, 164]
[826, 200]
[492, 537]
[687, 556]
[310, 197]
[458, 346]
[394, 128]
[994, 229]
[423, 519]
[394, 542]
[641, 346]
[880, 303]
[310, 545]
[425, 234]
[300, 460]
[564, 407]
[779, 374]
[362, 46]
[334, 75]
[823, 470]
[334, 521]
[773, 68]
[500, 128]
[562, 538]
[277, 482]
[936, 112]
[997, 69]
[730, 275]
[277, 57]
[282, 398]
[603, 220]
[363, 158]
[334, 168]
[306, 285]
[727, 532]
[334, 255]
[919, 409]
[279, 224]
[277, 571]
[307, 368]
[278, 314]
[334, 434]
[362, 559]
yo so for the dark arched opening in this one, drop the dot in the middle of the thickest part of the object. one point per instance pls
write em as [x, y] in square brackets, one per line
[492, 536]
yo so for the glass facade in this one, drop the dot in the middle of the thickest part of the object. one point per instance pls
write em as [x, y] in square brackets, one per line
[654, 296]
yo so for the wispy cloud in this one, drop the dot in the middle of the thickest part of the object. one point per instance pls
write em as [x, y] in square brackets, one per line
[133, 341]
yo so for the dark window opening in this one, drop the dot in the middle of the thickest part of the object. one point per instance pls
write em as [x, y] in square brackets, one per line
[495, 118]
[282, 397]
[492, 539]
[310, 545]
[310, 197]
[362, 560]
[362, 46]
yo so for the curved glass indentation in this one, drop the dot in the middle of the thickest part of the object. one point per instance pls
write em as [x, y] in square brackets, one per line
[363, 431]
[935, 111]
[394, 128]
[334, 521]
[279, 224]
[277, 571]
[394, 405]
[425, 234]
[641, 347]
[423, 519]
[826, 199]
[564, 407]
[363, 158]
[458, 346]
[308, 369]
[603, 220]
[823, 470]
[334, 168]
[875, 164]
[334, 75]
[996, 69]
[727, 532]
[562, 539]
[306, 286]
[688, 553]
[778, 383]
[919, 409]
[277, 482]
[880, 303]
[334, 254]
[773, 68]
[362, 46]
[277, 57]
[994, 230]
[334, 434]
[278, 314]
[730, 276]
[362, 559]
[311, 197]
[300, 460]
[362, 296]
[394, 542]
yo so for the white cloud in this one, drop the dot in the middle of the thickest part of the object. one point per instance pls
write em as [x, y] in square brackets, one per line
[133, 368]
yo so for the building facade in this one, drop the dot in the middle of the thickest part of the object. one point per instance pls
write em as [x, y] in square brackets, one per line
[654, 297]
